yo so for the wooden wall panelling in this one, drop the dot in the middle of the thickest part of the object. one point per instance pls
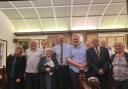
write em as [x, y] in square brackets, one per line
[111, 40]
[91, 36]
[120, 39]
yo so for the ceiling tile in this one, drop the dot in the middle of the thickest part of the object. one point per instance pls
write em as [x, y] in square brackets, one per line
[107, 21]
[12, 13]
[122, 1]
[22, 3]
[96, 10]
[93, 21]
[78, 22]
[49, 24]
[19, 24]
[45, 12]
[34, 24]
[121, 20]
[124, 11]
[29, 13]
[81, 2]
[61, 2]
[62, 12]
[63, 23]
[80, 11]
[5, 5]
[42, 3]
[114, 9]
[101, 1]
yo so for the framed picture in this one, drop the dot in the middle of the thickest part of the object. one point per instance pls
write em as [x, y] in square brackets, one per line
[24, 42]
[3, 52]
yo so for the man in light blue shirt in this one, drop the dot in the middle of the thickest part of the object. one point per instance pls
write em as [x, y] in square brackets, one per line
[60, 52]
[76, 57]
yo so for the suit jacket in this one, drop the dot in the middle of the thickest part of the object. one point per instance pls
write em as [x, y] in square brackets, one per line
[20, 66]
[42, 72]
[95, 63]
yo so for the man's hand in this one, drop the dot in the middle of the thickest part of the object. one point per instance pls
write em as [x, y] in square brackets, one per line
[83, 66]
[100, 72]
[18, 80]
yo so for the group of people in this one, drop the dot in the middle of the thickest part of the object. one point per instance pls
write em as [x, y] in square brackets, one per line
[58, 67]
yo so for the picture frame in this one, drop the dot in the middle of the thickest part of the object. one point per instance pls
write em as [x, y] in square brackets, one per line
[3, 52]
[24, 42]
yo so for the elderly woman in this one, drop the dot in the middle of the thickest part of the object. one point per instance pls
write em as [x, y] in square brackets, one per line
[120, 67]
[48, 66]
[15, 68]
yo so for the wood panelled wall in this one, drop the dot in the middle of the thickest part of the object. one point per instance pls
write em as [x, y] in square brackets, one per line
[110, 40]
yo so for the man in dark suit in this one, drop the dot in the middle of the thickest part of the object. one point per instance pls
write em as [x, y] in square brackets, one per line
[98, 62]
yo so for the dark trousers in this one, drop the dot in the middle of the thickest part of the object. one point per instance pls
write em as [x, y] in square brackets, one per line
[63, 77]
[104, 81]
[121, 84]
[31, 81]
[11, 84]
[75, 82]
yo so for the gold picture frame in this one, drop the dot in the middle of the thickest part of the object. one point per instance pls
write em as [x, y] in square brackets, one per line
[3, 52]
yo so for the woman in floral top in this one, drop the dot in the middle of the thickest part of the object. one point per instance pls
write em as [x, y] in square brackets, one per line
[120, 66]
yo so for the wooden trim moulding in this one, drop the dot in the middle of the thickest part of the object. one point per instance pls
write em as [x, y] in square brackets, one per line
[70, 32]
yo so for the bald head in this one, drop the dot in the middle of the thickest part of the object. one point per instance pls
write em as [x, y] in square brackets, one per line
[33, 44]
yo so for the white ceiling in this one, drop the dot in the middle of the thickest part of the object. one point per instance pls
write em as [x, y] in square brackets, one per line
[52, 15]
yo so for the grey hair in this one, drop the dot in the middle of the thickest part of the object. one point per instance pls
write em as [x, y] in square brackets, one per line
[119, 43]
[49, 49]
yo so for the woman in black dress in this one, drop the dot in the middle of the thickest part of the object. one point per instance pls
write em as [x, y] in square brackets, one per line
[48, 66]
[15, 68]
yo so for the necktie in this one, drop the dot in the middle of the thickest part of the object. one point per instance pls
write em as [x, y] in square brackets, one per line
[98, 53]
[61, 59]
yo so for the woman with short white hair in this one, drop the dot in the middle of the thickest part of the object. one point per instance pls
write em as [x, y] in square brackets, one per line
[47, 68]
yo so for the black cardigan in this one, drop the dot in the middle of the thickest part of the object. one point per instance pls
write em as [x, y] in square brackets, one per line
[113, 56]
[19, 66]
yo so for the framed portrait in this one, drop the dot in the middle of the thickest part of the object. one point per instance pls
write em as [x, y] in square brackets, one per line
[24, 42]
[3, 52]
